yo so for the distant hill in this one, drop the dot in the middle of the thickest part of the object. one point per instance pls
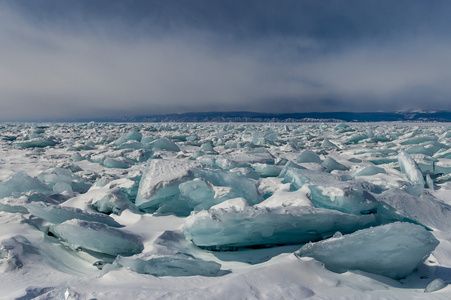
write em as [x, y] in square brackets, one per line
[244, 116]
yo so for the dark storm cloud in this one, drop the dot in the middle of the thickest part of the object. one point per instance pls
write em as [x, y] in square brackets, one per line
[97, 58]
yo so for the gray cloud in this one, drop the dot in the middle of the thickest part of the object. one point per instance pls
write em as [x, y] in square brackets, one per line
[103, 66]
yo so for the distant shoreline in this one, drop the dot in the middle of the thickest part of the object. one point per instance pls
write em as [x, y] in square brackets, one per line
[255, 117]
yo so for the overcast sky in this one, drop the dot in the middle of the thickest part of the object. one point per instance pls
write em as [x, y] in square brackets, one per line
[91, 58]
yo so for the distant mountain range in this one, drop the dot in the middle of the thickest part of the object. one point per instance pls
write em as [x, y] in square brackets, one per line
[244, 116]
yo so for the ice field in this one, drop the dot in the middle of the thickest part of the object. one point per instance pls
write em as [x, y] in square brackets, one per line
[225, 211]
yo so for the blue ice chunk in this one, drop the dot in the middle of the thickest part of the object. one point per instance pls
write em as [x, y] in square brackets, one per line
[384, 160]
[328, 144]
[114, 201]
[429, 182]
[419, 149]
[435, 285]
[442, 166]
[131, 145]
[39, 142]
[241, 185]
[77, 157]
[62, 175]
[192, 138]
[392, 250]
[369, 170]
[308, 156]
[426, 164]
[59, 214]
[266, 170]
[348, 196]
[331, 164]
[97, 237]
[420, 139]
[355, 138]
[443, 154]
[179, 264]
[410, 168]
[21, 183]
[147, 139]
[207, 147]
[62, 187]
[298, 176]
[130, 136]
[342, 127]
[201, 194]
[197, 191]
[227, 228]
[7, 206]
[263, 138]
[425, 209]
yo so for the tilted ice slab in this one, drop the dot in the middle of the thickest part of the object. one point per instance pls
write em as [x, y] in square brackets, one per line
[225, 228]
[331, 164]
[130, 136]
[369, 170]
[97, 237]
[392, 250]
[265, 170]
[163, 144]
[308, 156]
[424, 209]
[38, 142]
[21, 183]
[410, 168]
[59, 214]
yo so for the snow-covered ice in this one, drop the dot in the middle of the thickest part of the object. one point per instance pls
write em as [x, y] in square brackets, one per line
[225, 211]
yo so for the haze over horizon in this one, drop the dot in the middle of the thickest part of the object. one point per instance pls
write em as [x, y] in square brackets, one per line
[86, 59]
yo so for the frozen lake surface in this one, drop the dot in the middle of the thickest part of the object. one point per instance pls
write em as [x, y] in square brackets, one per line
[225, 211]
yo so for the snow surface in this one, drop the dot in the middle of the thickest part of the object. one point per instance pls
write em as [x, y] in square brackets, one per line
[139, 211]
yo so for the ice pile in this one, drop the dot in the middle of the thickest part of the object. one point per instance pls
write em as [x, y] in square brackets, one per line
[180, 186]
[118, 202]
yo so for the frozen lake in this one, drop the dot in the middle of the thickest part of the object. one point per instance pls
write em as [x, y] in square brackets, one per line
[225, 211]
